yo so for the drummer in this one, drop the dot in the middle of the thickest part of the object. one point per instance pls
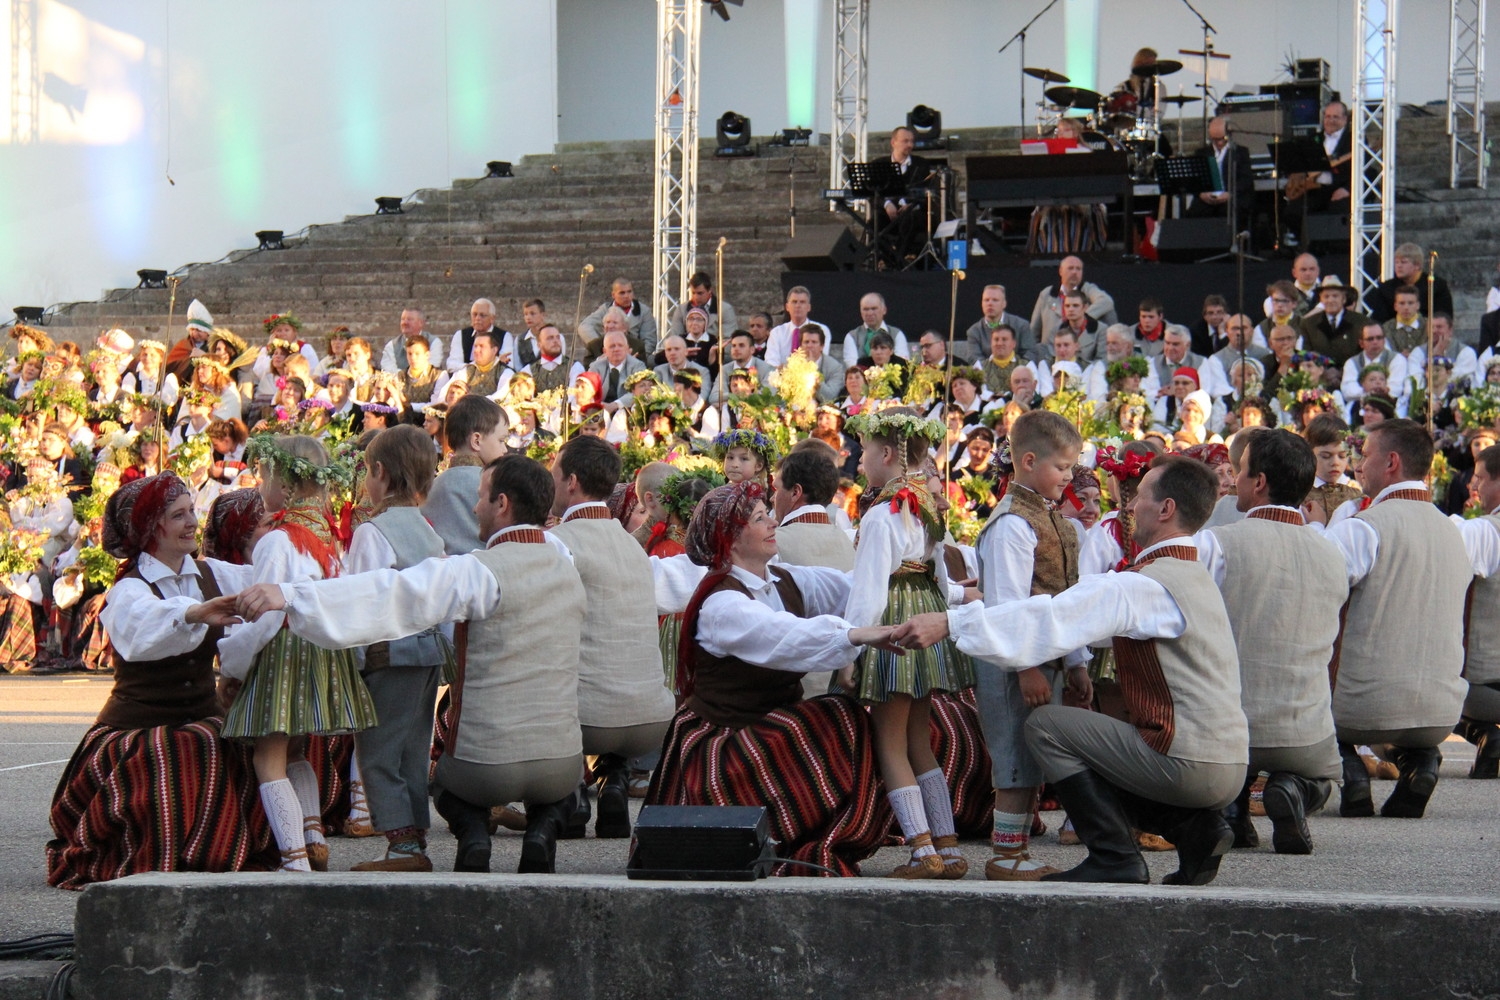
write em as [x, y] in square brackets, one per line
[1066, 229]
[1139, 85]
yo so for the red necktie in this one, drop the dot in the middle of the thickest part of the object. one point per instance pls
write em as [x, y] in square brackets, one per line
[796, 337]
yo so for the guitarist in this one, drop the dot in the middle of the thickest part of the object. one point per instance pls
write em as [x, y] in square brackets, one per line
[1328, 190]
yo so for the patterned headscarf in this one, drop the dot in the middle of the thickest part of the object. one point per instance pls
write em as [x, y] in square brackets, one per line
[716, 524]
[135, 511]
[1212, 455]
[232, 519]
[622, 501]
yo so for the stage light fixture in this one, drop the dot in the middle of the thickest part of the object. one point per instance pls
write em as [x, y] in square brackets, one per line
[733, 135]
[498, 168]
[388, 206]
[927, 124]
[796, 137]
[151, 278]
[717, 6]
[31, 315]
[270, 239]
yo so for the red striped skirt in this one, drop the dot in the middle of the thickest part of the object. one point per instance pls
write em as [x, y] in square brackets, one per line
[812, 765]
[18, 634]
[87, 641]
[329, 757]
[168, 799]
[442, 730]
[958, 743]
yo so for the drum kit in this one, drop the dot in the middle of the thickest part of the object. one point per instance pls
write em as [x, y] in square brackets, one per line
[1116, 121]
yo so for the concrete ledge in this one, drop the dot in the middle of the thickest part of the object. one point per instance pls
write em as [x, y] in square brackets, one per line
[26, 980]
[582, 937]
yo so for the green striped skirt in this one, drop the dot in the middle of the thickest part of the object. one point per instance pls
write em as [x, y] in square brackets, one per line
[921, 671]
[297, 688]
[668, 637]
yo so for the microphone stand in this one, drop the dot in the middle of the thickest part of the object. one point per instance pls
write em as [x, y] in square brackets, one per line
[956, 275]
[1021, 35]
[1208, 54]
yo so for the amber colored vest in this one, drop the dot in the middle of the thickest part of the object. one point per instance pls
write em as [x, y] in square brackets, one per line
[483, 383]
[1055, 565]
[557, 378]
[997, 377]
[727, 691]
[172, 691]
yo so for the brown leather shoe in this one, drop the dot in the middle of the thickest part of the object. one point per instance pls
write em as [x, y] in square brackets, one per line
[954, 865]
[396, 863]
[1151, 842]
[317, 857]
[927, 866]
[511, 819]
[1006, 868]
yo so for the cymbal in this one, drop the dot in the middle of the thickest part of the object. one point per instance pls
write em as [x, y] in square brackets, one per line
[1045, 75]
[1180, 99]
[1162, 67]
[1074, 97]
[1119, 123]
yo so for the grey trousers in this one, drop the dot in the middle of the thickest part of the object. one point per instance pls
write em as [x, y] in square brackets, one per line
[1482, 704]
[1066, 741]
[626, 741]
[531, 781]
[394, 755]
[1416, 737]
[1316, 762]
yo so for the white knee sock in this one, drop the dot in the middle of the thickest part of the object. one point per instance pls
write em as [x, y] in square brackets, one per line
[300, 774]
[906, 803]
[937, 801]
[359, 806]
[284, 812]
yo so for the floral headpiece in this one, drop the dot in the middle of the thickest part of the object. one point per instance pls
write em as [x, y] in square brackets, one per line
[1132, 466]
[1303, 356]
[745, 373]
[889, 424]
[204, 361]
[382, 408]
[317, 403]
[274, 320]
[200, 397]
[644, 375]
[1318, 397]
[740, 437]
[1375, 366]
[277, 343]
[679, 495]
[968, 373]
[1442, 361]
[151, 345]
[1135, 365]
[262, 448]
[690, 376]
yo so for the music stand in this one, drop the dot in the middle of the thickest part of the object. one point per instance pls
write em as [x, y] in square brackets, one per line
[872, 181]
[1299, 156]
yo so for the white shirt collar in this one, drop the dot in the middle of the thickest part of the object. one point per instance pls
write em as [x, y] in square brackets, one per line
[1409, 484]
[752, 583]
[1185, 540]
[153, 569]
[580, 506]
[810, 508]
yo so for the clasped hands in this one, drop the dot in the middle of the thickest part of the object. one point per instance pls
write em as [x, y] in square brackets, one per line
[235, 609]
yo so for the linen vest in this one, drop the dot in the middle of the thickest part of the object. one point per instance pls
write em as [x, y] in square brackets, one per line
[556, 378]
[620, 680]
[483, 383]
[1183, 694]
[804, 544]
[997, 376]
[727, 691]
[1400, 656]
[1055, 563]
[413, 540]
[173, 690]
[1482, 631]
[516, 697]
[1284, 586]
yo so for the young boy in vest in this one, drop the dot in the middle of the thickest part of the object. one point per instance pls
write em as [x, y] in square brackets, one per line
[1026, 548]
[476, 429]
[1332, 487]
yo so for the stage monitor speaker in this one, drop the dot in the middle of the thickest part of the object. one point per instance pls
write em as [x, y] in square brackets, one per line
[1187, 240]
[822, 248]
[701, 843]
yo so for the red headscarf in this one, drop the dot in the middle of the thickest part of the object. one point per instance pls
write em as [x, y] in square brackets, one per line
[711, 534]
[232, 519]
[133, 514]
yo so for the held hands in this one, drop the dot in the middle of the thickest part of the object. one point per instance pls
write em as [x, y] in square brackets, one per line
[219, 611]
[1036, 689]
[1080, 689]
[879, 636]
[922, 631]
[260, 599]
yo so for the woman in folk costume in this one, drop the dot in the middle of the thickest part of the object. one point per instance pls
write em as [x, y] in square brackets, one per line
[899, 571]
[1110, 544]
[291, 688]
[744, 736]
[152, 786]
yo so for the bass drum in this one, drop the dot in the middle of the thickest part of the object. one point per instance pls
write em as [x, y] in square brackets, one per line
[1097, 141]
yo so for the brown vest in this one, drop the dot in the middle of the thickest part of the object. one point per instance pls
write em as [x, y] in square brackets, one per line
[1055, 566]
[557, 378]
[727, 691]
[172, 691]
[997, 376]
[483, 383]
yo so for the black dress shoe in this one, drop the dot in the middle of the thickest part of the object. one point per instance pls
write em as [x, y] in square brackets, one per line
[1354, 799]
[576, 826]
[1288, 799]
[1486, 739]
[470, 824]
[544, 823]
[1237, 815]
[1201, 839]
[1419, 775]
[614, 799]
[1102, 824]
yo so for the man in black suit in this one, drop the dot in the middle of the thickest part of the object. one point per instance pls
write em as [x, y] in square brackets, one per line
[1229, 166]
[1211, 333]
[1336, 328]
[1334, 185]
[905, 204]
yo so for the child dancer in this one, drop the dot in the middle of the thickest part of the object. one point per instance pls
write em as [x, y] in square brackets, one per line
[293, 688]
[898, 572]
[747, 455]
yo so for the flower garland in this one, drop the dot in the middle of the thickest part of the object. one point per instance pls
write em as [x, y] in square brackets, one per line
[968, 373]
[1134, 366]
[740, 437]
[262, 448]
[274, 320]
[674, 495]
[886, 424]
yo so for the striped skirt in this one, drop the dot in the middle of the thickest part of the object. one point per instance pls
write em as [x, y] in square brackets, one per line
[329, 757]
[168, 799]
[812, 765]
[87, 640]
[921, 671]
[668, 636]
[958, 744]
[18, 634]
[298, 689]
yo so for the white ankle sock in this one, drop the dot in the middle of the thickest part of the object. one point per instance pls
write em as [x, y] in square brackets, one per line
[284, 812]
[305, 781]
[906, 803]
[359, 806]
[937, 802]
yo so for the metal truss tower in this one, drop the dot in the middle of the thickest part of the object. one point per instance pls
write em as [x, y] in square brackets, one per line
[1372, 110]
[25, 74]
[675, 238]
[851, 62]
[1466, 94]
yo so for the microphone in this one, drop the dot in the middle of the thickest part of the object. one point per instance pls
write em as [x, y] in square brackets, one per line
[958, 273]
[723, 241]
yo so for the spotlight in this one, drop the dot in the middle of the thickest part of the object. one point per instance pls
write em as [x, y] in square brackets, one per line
[718, 7]
[733, 133]
[151, 278]
[270, 239]
[388, 206]
[31, 315]
[927, 123]
[498, 168]
[796, 137]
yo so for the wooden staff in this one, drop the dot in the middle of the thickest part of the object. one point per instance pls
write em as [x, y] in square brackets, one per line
[957, 275]
[1431, 276]
[718, 291]
[583, 277]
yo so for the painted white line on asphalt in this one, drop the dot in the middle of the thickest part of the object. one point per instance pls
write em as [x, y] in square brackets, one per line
[41, 743]
[44, 763]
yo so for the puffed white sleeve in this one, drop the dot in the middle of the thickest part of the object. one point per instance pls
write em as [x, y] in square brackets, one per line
[731, 624]
[368, 550]
[676, 578]
[142, 626]
[881, 547]
[392, 603]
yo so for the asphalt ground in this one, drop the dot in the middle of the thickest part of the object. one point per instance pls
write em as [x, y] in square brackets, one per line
[1450, 853]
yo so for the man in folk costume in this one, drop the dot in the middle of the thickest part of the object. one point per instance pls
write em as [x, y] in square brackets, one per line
[516, 733]
[552, 369]
[623, 702]
[1481, 711]
[1183, 759]
[1394, 683]
[1284, 591]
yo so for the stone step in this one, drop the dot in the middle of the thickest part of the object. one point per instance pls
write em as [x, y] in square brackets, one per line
[27, 980]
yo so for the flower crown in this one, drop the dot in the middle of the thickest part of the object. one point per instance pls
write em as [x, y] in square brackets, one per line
[1135, 365]
[1375, 366]
[262, 448]
[888, 424]
[274, 320]
[968, 373]
[1301, 357]
[674, 494]
[740, 437]
[645, 375]
[1321, 397]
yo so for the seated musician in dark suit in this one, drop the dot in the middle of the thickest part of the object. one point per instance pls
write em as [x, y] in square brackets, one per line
[1328, 191]
[1229, 166]
[906, 205]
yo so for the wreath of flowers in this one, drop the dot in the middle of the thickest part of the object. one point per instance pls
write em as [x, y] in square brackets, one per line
[674, 494]
[1132, 466]
[382, 408]
[657, 400]
[1319, 397]
[886, 424]
[691, 376]
[204, 361]
[274, 320]
[262, 448]
[199, 397]
[317, 403]
[1119, 371]
[1375, 366]
[1302, 357]
[277, 343]
[740, 437]
[968, 373]
[636, 378]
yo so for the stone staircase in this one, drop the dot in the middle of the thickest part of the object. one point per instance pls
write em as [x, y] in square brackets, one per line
[512, 239]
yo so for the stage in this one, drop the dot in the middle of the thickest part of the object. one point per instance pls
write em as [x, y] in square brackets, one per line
[919, 300]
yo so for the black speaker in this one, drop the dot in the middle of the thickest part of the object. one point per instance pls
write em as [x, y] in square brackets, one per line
[701, 844]
[1210, 235]
[822, 248]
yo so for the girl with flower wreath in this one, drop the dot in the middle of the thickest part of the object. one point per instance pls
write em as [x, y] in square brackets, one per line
[291, 689]
[1110, 545]
[899, 572]
[747, 455]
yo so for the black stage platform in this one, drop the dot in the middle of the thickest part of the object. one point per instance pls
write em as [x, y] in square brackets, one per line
[918, 300]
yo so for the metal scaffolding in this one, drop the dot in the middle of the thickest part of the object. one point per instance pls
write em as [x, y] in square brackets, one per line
[851, 52]
[1372, 219]
[25, 74]
[1466, 93]
[675, 241]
